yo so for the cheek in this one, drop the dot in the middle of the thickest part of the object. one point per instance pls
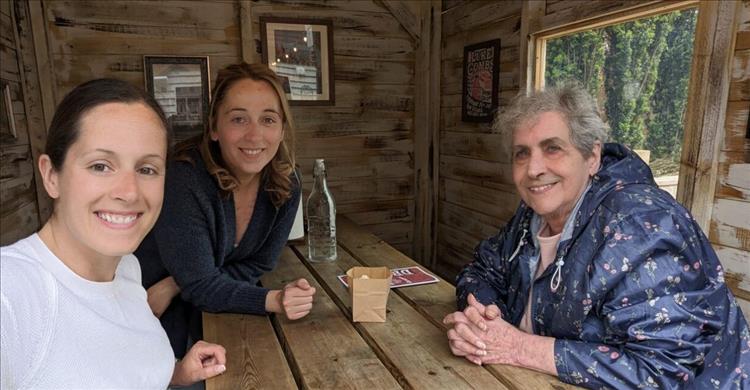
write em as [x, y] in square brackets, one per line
[153, 192]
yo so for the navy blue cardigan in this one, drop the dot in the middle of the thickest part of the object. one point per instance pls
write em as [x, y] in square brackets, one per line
[193, 240]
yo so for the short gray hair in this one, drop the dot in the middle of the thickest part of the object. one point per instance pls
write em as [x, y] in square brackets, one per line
[569, 99]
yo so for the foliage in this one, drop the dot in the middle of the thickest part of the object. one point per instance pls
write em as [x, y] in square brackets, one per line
[638, 72]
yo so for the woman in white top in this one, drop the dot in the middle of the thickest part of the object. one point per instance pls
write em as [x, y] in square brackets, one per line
[73, 312]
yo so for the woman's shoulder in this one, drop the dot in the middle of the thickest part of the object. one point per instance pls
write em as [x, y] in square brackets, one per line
[28, 289]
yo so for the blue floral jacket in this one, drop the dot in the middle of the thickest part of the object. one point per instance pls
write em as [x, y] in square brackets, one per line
[640, 299]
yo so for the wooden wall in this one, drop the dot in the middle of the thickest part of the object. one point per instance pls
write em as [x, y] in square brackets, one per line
[730, 220]
[476, 194]
[366, 138]
[19, 213]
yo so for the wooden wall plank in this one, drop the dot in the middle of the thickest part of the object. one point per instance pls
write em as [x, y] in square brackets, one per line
[734, 175]
[736, 264]
[730, 224]
[739, 87]
[198, 15]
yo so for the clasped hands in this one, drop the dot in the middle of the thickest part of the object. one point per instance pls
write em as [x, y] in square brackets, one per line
[480, 334]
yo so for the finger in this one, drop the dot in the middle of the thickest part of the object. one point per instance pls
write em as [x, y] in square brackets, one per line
[454, 318]
[474, 359]
[466, 348]
[209, 372]
[474, 303]
[475, 317]
[303, 283]
[206, 351]
[467, 334]
[492, 312]
[296, 301]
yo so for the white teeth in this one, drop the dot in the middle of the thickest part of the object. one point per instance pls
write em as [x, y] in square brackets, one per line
[252, 152]
[117, 219]
[540, 188]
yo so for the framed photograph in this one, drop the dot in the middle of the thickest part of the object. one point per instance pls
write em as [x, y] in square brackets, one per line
[181, 86]
[480, 81]
[7, 124]
[300, 51]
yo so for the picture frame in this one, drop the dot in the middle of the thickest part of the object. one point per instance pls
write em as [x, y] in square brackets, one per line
[300, 51]
[182, 87]
[7, 122]
[481, 71]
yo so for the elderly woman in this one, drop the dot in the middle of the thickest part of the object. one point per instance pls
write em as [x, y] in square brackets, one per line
[600, 278]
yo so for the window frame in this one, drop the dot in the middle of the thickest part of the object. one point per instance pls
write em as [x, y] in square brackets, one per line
[707, 99]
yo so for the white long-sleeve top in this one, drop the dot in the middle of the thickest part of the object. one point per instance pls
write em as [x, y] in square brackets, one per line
[61, 331]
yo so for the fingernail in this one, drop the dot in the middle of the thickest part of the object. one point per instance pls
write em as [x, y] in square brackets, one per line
[481, 345]
[481, 352]
[221, 368]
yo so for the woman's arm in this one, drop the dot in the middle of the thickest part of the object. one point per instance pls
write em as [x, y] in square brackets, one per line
[660, 317]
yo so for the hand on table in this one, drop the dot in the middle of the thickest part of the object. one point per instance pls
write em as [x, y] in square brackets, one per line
[480, 334]
[295, 300]
[204, 360]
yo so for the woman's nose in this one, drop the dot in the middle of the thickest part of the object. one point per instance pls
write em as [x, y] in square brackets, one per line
[537, 166]
[126, 187]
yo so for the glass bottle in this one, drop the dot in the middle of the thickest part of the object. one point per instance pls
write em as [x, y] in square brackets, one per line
[321, 218]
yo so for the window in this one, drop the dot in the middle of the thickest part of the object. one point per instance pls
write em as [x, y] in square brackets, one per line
[639, 72]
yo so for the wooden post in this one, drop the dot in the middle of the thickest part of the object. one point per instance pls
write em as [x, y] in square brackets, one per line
[249, 51]
[38, 23]
[706, 107]
[426, 132]
[532, 12]
[33, 95]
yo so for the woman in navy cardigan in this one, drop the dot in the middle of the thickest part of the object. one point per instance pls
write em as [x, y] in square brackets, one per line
[230, 200]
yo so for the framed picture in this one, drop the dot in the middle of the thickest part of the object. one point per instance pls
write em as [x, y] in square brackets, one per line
[300, 51]
[480, 81]
[181, 87]
[7, 124]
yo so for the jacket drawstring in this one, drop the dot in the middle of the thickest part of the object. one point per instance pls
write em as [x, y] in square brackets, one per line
[520, 244]
[554, 283]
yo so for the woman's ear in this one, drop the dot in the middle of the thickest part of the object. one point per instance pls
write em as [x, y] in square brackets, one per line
[595, 159]
[49, 176]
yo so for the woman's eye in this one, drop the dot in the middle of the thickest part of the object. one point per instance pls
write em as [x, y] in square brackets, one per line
[269, 120]
[148, 171]
[521, 154]
[553, 148]
[99, 167]
[238, 120]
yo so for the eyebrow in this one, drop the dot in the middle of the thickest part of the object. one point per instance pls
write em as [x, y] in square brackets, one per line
[544, 142]
[244, 110]
[112, 153]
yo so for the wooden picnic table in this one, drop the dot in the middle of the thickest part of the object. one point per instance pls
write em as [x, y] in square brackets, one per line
[326, 350]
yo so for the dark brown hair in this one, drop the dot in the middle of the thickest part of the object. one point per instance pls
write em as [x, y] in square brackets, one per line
[65, 127]
[277, 172]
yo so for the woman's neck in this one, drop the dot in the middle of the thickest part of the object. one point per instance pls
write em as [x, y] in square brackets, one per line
[82, 260]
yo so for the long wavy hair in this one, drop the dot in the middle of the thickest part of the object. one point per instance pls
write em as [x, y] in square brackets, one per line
[276, 174]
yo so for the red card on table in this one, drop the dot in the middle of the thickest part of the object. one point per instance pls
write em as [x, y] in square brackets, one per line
[404, 277]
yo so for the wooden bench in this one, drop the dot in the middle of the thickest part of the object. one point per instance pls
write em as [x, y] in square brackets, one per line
[325, 350]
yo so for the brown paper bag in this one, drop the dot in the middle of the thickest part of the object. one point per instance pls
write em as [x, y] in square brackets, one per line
[369, 295]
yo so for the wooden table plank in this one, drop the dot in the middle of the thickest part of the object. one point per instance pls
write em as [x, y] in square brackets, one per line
[413, 348]
[434, 300]
[254, 356]
[326, 350]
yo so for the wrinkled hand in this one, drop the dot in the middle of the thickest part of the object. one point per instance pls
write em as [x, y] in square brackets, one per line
[295, 300]
[502, 339]
[465, 328]
[204, 360]
[160, 295]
